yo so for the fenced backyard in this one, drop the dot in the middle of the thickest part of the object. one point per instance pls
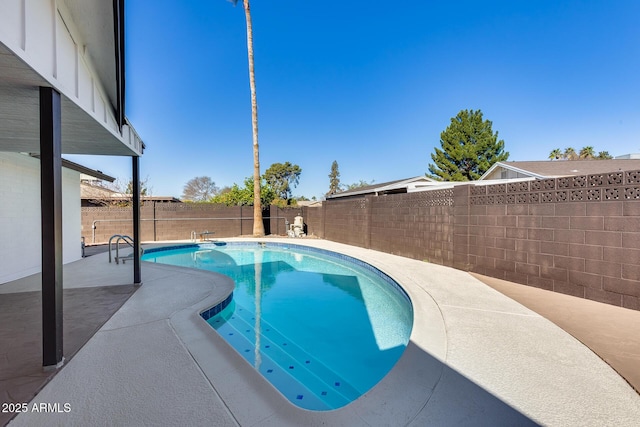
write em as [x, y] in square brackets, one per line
[577, 235]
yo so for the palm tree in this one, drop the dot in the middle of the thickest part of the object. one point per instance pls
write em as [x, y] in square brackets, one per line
[604, 155]
[570, 153]
[587, 152]
[258, 226]
[555, 154]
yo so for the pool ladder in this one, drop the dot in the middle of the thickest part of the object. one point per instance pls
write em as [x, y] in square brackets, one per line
[128, 240]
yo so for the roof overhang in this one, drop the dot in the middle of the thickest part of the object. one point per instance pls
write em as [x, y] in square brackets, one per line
[99, 29]
[405, 185]
[81, 133]
[82, 169]
[509, 167]
[101, 24]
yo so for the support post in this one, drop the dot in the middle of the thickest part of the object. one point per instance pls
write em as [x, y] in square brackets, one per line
[135, 162]
[51, 223]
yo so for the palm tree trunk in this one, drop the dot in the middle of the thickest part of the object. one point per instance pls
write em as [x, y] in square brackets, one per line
[258, 226]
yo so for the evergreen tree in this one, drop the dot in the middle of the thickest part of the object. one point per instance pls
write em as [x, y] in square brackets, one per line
[281, 177]
[469, 148]
[334, 179]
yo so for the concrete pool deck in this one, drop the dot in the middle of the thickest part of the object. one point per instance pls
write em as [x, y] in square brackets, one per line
[476, 357]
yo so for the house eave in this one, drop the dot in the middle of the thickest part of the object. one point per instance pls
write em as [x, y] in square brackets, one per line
[82, 169]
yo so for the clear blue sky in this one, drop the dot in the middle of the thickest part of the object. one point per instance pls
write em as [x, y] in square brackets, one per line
[371, 84]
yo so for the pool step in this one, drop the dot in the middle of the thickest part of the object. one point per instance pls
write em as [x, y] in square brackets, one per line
[292, 352]
[284, 363]
[290, 384]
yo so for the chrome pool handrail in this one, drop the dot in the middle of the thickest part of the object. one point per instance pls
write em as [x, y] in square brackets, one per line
[128, 240]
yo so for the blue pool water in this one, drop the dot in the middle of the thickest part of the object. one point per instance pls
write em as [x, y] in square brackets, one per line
[323, 328]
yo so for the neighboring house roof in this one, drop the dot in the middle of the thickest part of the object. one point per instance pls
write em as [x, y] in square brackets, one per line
[97, 192]
[165, 199]
[398, 186]
[309, 203]
[559, 168]
[88, 191]
[87, 171]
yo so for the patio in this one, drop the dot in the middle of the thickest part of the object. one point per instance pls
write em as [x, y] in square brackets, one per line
[475, 357]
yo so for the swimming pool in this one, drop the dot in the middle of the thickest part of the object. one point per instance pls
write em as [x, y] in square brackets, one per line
[322, 327]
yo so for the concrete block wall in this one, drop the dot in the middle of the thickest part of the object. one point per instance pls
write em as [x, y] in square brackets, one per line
[578, 235]
[348, 221]
[460, 226]
[100, 223]
[314, 221]
[278, 218]
[174, 221]
[415, 225]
